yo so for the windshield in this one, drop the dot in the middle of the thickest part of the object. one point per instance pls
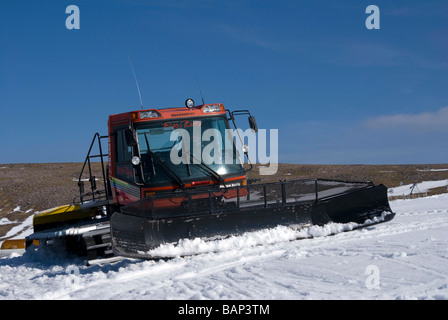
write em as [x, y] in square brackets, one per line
[191, 149]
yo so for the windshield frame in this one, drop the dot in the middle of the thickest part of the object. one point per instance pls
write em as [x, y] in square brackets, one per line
[191, 169]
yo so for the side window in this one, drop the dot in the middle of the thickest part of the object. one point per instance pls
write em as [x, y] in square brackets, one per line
[123, 155]
[123, 151]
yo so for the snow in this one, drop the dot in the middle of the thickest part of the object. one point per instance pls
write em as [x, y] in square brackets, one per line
[421, 187]
[22, 230]
[4, 221]
[405, 258]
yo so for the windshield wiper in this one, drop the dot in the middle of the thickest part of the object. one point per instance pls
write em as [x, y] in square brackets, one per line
[210, 170]
[150, 155]
[153, 156]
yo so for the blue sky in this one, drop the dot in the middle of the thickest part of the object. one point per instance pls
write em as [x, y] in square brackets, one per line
[337, 92]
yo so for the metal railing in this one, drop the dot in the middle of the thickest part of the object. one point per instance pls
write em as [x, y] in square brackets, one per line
[206, 200]
[94, 193]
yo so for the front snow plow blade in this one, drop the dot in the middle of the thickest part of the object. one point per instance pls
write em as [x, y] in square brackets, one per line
[217, 213]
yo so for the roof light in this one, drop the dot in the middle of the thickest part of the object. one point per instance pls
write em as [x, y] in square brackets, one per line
[211, 108]
[149, 114]
[189, 103]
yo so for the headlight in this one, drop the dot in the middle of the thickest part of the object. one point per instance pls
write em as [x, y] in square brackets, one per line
[149, 114]
[135, 161]
[211, 108]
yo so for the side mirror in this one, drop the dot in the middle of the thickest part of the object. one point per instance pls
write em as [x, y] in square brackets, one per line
[253, 124]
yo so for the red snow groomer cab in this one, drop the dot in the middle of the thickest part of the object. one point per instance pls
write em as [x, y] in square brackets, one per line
[160, 150]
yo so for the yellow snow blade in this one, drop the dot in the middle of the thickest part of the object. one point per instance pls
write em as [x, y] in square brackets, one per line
[54, 216]
[13, 244]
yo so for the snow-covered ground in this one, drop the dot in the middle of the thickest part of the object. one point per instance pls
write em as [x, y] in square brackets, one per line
[418, 188]
[406, 258]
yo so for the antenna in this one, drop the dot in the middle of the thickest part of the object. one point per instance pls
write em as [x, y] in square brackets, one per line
[200, 91]
[136, 82]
